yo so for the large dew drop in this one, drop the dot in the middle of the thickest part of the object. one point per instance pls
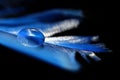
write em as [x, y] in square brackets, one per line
[30, 37]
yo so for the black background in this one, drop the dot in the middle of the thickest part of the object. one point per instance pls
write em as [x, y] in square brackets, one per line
[93, 24]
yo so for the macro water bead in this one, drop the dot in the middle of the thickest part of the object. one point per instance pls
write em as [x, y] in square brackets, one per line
[30, 37]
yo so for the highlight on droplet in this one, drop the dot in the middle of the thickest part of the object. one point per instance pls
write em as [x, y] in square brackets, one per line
[30, 37]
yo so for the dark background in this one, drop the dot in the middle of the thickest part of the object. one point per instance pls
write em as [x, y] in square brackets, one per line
[93, 24]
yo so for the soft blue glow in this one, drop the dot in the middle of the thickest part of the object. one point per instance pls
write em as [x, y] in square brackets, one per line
[47, 29]
[59, 56]
[32, 30]
[45, 16]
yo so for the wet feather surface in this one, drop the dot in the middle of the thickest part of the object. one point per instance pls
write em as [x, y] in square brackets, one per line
[59, 51]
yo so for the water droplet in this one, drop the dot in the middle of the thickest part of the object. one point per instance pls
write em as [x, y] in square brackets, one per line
[30, 37]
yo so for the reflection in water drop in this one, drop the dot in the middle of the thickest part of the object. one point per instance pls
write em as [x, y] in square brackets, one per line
[30, 37]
